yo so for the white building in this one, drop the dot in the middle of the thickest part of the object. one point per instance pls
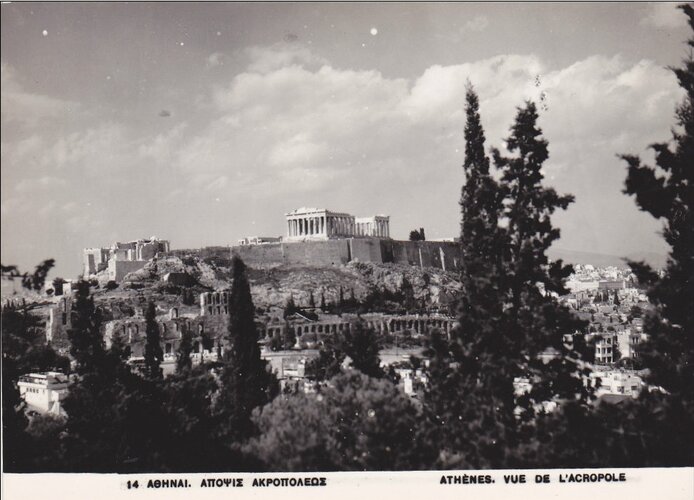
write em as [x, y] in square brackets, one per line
[44, 392]
[621, 382]
[605, 344]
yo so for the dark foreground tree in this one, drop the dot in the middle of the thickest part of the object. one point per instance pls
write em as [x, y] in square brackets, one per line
[355, 423]
[658, 429]
[534, 322]
[115, 418]
[188, 401]
[245, 381]
[666, 191]
[361, 344]
[154, 354]
[510, 329]
[185, 349]
[24, 350]
[329, 361]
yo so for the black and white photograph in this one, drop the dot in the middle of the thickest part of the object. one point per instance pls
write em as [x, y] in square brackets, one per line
[268, 238]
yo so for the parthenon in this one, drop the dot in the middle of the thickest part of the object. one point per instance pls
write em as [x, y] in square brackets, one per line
[321, 224]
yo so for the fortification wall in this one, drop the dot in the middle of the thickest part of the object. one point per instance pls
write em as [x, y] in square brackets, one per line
[203, 253]
[439, 254]
[322, 253]
[366, 249]
[258, 255]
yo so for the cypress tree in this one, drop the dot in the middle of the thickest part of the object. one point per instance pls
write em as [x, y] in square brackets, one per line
[656, 429]
[534, 322]
[154, 355]
[666, 191]
[473, 428]
[361, 344]
[185, 349]
[245, 380]
[86, 342]
[506, 320]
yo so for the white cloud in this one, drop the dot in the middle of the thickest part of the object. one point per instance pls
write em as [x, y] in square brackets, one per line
[280, 55]
[32, 184]
[476, 24]
[215, 59]
[18, 106]
[160, 147]
[368, 140]
[664, 15]
[294, 130]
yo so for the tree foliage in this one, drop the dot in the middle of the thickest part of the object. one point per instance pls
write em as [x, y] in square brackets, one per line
[246, 382]
[666, 191]
[361, 344]
[355, 423]
[509, 328]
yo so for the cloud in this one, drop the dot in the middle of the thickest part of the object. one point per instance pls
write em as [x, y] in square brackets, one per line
[300, 131]
[33, 184]
[664, 15]
[267, 59]
[21, 107]
[292, 129]
[215, 59]
[475, 25]
[101, 148]
[160, 147]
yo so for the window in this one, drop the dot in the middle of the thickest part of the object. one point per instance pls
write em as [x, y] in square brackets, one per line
[64, 315]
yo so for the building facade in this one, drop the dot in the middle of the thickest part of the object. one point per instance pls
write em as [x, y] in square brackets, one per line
[44, 392]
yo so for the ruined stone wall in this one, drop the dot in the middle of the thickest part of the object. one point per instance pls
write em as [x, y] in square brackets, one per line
[209, 330]
[203, 253]
[214, 303]
[117, 269]
[58, 322]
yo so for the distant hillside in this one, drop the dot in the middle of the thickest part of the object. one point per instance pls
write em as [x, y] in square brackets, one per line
[602, 260]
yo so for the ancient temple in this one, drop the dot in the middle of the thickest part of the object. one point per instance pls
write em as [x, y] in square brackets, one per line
[321, 224]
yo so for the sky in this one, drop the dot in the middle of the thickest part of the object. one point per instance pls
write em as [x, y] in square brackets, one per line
[203, 123]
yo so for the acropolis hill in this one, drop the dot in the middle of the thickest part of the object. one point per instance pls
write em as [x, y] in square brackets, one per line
[322, 237]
